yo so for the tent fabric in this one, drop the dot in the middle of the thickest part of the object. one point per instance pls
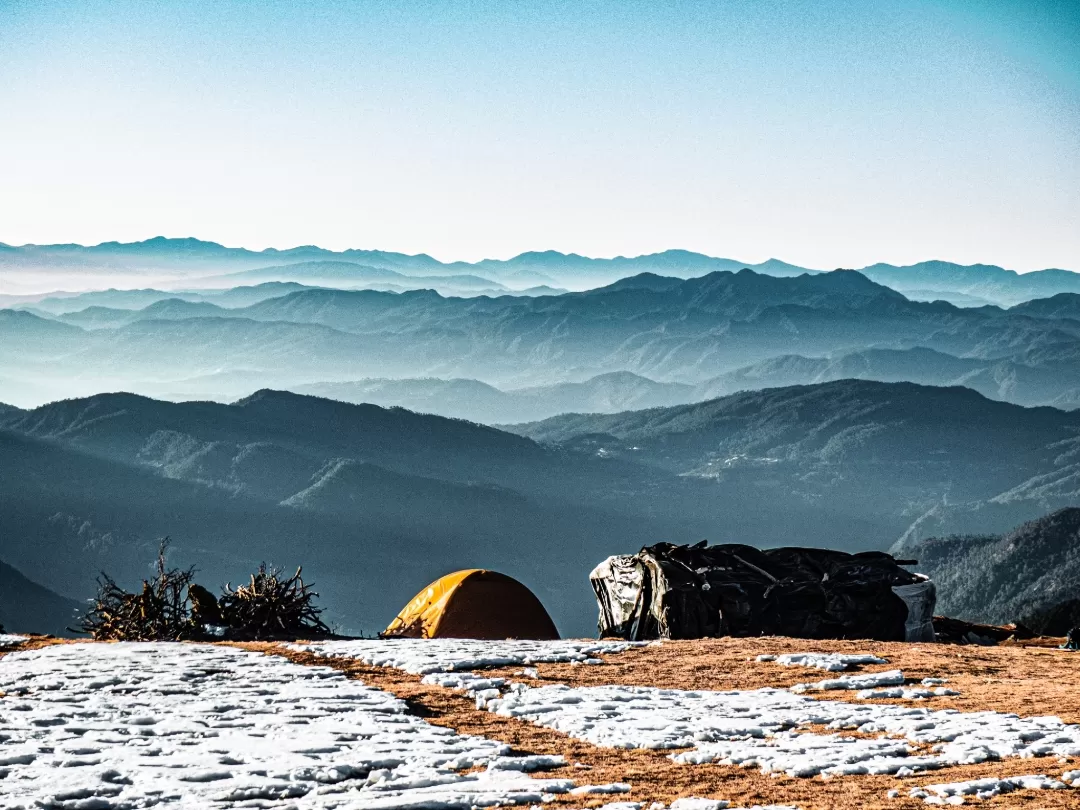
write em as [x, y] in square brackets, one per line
[474, 603]
[669, 591]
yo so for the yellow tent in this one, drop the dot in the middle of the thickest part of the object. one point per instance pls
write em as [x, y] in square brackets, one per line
[473, 604]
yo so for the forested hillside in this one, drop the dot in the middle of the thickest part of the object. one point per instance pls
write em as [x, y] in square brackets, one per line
[1004, 577]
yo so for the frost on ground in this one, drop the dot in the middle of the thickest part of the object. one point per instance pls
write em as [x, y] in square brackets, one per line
[765, 728]
[954, 792]
[829, 662]
[869, 680]
[903, 693]
[135, 725]
[423, 656]
[10, 640]
[877, 685]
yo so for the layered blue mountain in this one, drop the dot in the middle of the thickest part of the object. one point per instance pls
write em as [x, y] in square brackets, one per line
[27, 607]
[698, 337]
[375, 502]
[965, 285]
[353, 492]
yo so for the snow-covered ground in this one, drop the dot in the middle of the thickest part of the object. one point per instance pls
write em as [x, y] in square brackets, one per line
[135, 725]
[765, 728]
[421, 656]
[10, 640]
[110, 726]
[695, 803]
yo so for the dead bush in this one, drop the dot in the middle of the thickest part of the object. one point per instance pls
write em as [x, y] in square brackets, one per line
[157, 613]
[173, 607]
[272, 606]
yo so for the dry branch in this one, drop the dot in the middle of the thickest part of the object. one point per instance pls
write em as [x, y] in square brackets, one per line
[172, 607]
[272, 606]
[157, 613]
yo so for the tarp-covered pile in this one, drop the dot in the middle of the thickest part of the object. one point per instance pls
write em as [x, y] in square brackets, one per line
[669, 591]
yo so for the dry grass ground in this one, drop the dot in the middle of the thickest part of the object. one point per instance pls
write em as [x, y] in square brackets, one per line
[36, 643]
[1028, 680]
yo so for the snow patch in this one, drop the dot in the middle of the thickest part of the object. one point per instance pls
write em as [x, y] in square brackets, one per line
[611, 787]
[764, 728]
[135, 725]
[903, 693]
[954, 792]
[694, 803]
[869, 680]
[829, 662]
[11, 640]
[425, 656]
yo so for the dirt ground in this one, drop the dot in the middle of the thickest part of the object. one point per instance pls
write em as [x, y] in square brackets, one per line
[1028, 680]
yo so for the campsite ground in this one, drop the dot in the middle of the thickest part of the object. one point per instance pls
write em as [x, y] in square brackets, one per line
[1029, 680]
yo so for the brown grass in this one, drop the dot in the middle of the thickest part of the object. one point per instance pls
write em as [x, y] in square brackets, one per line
[36, 643]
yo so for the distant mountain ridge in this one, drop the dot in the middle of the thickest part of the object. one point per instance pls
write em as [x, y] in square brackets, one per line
[966, 283]
[854, 445]
[477, 401]
[732, 329]
[26, 607]
[979, 281]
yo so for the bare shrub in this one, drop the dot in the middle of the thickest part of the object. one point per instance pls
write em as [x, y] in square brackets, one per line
[157, 613]
[173, 607]
[272, 606]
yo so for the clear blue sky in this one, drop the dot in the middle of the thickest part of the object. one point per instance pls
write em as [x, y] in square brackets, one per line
[824, 133]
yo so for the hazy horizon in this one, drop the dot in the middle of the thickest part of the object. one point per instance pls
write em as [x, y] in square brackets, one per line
[830, 135]
[512, 254]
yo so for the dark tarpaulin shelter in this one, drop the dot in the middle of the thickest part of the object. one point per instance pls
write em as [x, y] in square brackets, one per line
[669, 591]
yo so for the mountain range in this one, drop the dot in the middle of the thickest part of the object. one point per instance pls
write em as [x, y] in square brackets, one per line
[911, 457]
[479, 402]
[383, 418]
[180, 259]
[1008, 380]
[351, 492]
[698, 337]
[376, 502]
[27, 607]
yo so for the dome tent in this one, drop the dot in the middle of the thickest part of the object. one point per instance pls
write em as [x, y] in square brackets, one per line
[473, 604]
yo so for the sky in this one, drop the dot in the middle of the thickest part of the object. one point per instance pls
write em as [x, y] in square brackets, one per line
[828, 134]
